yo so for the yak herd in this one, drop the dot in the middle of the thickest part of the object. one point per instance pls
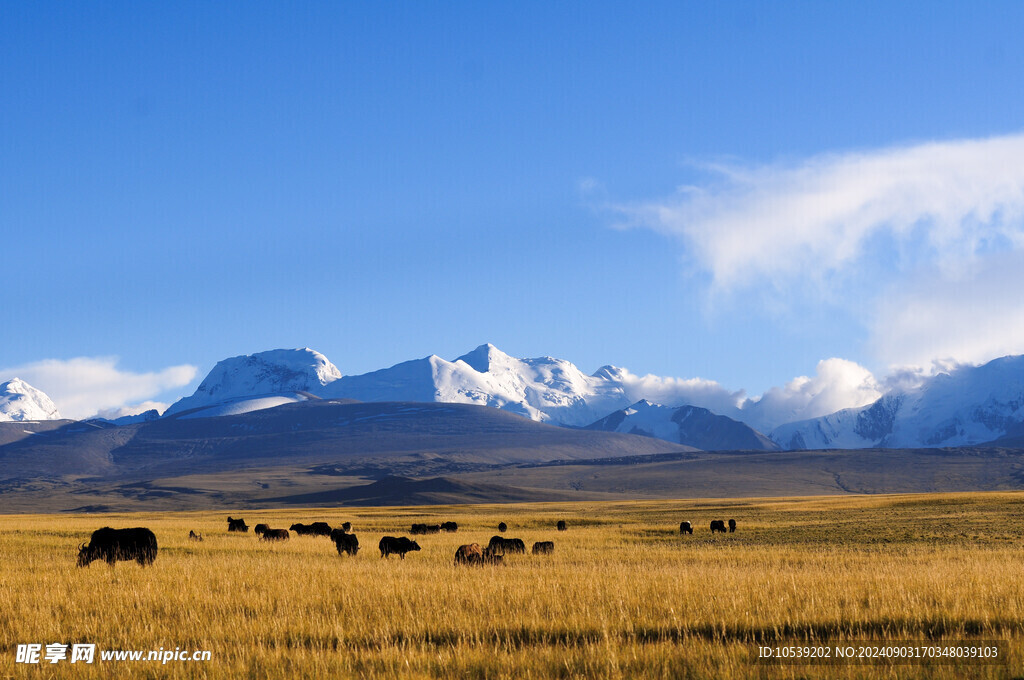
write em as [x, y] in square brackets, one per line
[139, 544]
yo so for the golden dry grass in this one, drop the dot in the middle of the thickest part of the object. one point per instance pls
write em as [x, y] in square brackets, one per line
[623, 595]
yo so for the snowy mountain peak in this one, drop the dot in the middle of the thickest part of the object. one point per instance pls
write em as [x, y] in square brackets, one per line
[19, 401]
[279, 371]
[484, 357]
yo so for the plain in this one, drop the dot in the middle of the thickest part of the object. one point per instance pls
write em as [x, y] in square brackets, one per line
[623, 594]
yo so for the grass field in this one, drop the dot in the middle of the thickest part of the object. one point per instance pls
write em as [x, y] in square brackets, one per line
[623, 595]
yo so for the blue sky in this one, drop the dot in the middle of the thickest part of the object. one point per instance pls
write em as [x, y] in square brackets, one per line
[183, 182]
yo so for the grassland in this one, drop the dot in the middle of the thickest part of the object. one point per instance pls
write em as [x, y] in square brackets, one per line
[623, 595]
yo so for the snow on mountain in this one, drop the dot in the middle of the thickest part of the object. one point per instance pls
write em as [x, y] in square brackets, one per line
[968, 405]
[19, 401]
[279, 372]
[689, 425]
[239, 406]
[542, 389]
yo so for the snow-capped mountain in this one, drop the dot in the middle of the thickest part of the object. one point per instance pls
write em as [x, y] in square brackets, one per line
[256, 381]
[542, 389]
[19, 401]
[968, 405]
[689, 425]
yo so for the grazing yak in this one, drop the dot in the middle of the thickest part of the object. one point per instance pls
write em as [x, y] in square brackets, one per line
[193, 536]
[237, 525]
[275, 535]
[561, 525]
[450, 527]
[260, 528]
[543, 547]
[314, 529]
[425, 529]
[469, 554]
[112, 545]
[500, 546]
[685, 528]
[717, 525]
[732, 525]
[502, 527]
[389, 545]
[345, 543]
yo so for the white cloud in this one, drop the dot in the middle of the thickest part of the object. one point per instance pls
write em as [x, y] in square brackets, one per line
[83, 386]
[921, 245]
[967, 319]
[837, 384]
[941, 202]
[679, 391]
[133, 409]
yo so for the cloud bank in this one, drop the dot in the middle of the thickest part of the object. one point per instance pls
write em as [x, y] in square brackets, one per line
[924, 244]
[84, 386]
[941, 201]
[836, 384]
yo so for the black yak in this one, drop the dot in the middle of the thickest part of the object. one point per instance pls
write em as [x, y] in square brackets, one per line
[717, 525]
[685, 528]
[275, 535]
[389, 545]
[561, 525]
[314, 529]
[112, 545]
[732, 525]
[237, 525]
[500, 546]
[543, 547]
[345, 543]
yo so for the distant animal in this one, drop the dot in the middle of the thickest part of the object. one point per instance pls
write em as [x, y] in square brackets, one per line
[314, 529]
[193, 536]
[685, 528]
[717, 525]
[449, 527]
[561, 525]
[389, 545]
[275, 535]
[469, 554]
[502, 527]
[237, 525]
[500, 546]
[425, 529]
[346, 527]
[345, 543]
[260, 528]
[732, 525]
[112, 545]
[543, 547]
